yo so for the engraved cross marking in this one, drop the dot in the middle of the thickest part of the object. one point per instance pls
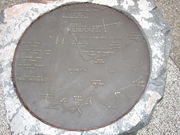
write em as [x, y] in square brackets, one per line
[47, 96]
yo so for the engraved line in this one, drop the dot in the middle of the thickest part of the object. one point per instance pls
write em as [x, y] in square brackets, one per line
[105, 30]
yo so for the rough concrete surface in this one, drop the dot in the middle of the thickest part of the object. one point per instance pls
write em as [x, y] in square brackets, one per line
[166, 117]
[171, 12]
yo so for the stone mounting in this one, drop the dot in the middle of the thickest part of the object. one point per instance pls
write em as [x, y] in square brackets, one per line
[156, 33]
[69, 70]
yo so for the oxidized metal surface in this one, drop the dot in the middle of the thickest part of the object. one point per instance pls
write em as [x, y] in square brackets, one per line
[155, 30]
[81, 66]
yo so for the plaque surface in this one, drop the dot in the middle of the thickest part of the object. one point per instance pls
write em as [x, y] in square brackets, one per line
[81, 66]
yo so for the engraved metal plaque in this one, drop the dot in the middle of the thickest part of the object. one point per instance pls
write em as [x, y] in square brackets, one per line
[81, 66]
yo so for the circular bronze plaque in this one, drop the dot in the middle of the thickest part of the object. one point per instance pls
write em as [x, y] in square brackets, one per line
[81, 66]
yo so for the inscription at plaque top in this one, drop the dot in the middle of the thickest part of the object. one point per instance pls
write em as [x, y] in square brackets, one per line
[81, 66]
